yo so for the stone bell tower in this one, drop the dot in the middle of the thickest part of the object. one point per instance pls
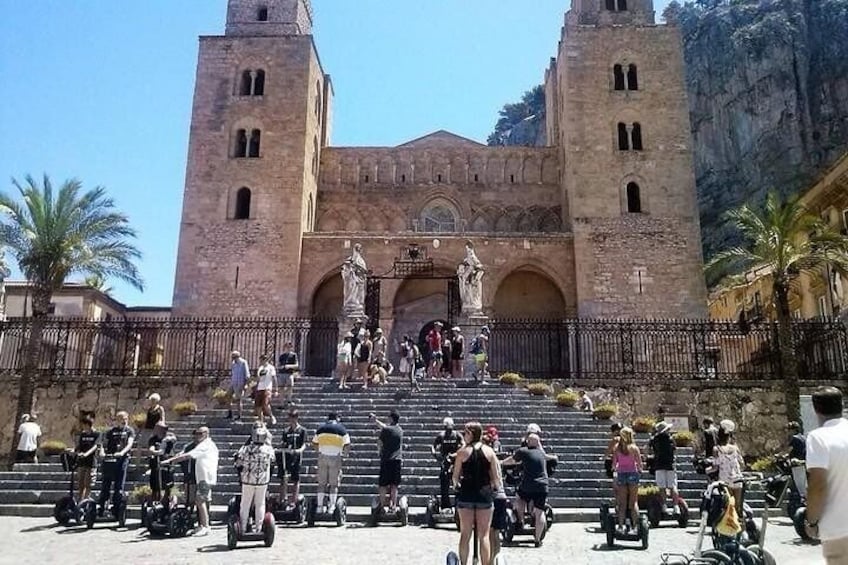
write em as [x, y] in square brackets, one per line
[618, 111]
[259, 122]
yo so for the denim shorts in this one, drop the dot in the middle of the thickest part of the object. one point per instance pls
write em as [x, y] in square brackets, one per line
[474, 505]
[625, 479]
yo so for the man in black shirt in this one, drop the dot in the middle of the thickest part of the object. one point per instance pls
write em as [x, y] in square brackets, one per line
[663, 448]
[87, 444]
[534, 482]
[289, 459]
[117, 444]
[189, 475]
[445, 446]
[391, 459]
[286, 368]
[160, 446]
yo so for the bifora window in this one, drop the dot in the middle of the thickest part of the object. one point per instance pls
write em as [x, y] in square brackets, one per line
[438, 218]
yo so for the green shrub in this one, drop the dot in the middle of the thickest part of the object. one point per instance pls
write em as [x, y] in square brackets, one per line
[683, 439]
[764, 465]
[648, 491]
[567, 398]
[139, 494]
[605, 411]
[222, 397]
[53, 447]
[644, 424]
[510, 379]
[540, 389]
[186, 408]
[138, 420]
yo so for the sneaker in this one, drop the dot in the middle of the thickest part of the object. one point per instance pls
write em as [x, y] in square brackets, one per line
[633, 532]
[538, 543]
[197, 530]
[202, 532]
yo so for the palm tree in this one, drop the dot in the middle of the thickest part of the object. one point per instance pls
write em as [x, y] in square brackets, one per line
[97, 282]
[785, 239]
[53, 236]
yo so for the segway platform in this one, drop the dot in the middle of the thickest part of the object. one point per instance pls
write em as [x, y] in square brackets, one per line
[314, 514]
[286, 513]
[435, 515]
[380, 514]
[641, 535]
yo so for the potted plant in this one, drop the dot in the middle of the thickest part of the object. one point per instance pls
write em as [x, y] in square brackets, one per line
[138, 420]
[644, 424]
[140, 493]
[510, 379]
[683, 439]
[567, 399]
[222, 397]
[539, 389]
[605, 411]
[764, 465]
[53, 447]
[186, 408]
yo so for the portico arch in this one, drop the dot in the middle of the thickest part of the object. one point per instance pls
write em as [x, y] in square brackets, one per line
[528, 293]
[328, 298]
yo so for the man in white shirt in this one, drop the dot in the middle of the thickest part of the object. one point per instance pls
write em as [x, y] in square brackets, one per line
[265, 388]
[28, 444]
[827, 467]
[205, 456]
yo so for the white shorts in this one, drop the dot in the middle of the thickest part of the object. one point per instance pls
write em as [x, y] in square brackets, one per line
[667, 479]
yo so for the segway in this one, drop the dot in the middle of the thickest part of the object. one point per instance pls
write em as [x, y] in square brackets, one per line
[287, 513]
[92, 512]
[434, 513]
[264, 533]
[67, 509]
[784, 487]
[512, 478]
[381, 514]
[337, 514]
[641, 534]
[658, 513]
[165, 516]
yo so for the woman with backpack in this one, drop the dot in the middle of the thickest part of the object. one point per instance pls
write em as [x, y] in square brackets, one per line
[408, 352]
[729, 461]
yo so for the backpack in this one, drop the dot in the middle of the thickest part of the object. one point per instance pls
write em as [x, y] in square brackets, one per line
[475, 347]
[419, 360]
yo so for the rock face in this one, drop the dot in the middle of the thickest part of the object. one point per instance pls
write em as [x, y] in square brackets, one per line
[768, 94]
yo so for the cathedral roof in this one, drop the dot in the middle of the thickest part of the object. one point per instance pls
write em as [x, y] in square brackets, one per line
[440, 138]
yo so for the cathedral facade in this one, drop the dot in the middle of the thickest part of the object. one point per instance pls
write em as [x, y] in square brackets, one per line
[601, 223]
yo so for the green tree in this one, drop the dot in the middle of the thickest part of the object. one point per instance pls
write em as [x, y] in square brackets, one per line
[786, 239]
[532, 104]
[53, 235]
[98, 282]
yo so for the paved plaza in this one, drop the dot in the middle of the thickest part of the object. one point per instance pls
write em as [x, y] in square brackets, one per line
[39, 540]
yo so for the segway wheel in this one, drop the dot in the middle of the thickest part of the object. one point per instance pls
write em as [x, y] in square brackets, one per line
[269, 529]
[121, 512]
[301, 510]
[340, 512]
[798, 522]
[65, 510]
[429, 519]
[508, 533]
[715, 557]
[145, 519]
[89, 513]
[604, 513]
[644, 531]
[403, 511]
[610, 530]
[311, 510]
[549, 517]
[763, 555]
[752, 530]
[655, 512]
[683, 517]
[179, 523]
[232, 532]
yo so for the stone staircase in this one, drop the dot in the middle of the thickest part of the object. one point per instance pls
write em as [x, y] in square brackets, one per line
[577, 490]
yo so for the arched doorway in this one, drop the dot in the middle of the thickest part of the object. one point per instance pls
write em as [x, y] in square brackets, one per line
[528, 294]
[328, 298]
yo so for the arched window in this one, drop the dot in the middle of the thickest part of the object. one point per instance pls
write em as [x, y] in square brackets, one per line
[610, 5]
[634, 198]
[255, 139]
[637, 137]
[438, 218]
[632, 78]
[318, 101]
[240, 149]
[259, 83]
[315, 157]
[242, 210]
[310, 212]
[246, 83]
[618, 77]
[262, 14]
[622, 5]
[623, 137]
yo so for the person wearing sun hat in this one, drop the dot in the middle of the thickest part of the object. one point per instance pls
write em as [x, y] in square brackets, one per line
[663, 448]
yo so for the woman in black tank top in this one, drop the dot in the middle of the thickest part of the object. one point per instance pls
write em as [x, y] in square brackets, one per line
[476, 475]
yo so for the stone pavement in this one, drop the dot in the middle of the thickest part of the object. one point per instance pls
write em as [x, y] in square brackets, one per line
[39, 540]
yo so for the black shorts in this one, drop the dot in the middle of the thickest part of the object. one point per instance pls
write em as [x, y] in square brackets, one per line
[499, 515]
[390, 473]
[288, 465]
[24, 456]
[539, 499]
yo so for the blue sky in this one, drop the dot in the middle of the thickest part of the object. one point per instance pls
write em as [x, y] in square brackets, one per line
[101, 90]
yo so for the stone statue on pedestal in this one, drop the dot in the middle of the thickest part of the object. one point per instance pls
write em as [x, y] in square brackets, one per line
[354, 277]
[470, 274]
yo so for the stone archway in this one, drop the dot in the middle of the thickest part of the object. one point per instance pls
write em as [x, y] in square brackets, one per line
[527, 293]
[328, 298]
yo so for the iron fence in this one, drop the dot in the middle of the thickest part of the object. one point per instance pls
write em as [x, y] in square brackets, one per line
[613, 349]
[156, 347]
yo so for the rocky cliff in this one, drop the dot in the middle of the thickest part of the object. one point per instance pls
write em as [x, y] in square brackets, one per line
[768, 93]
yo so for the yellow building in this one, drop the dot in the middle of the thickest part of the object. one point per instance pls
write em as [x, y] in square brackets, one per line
[824, 295]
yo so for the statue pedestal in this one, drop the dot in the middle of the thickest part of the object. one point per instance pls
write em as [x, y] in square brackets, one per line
[346, 322]
[471, 325]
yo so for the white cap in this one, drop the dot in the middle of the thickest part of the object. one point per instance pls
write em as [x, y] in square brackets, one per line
[534, 429]
[448, 421]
